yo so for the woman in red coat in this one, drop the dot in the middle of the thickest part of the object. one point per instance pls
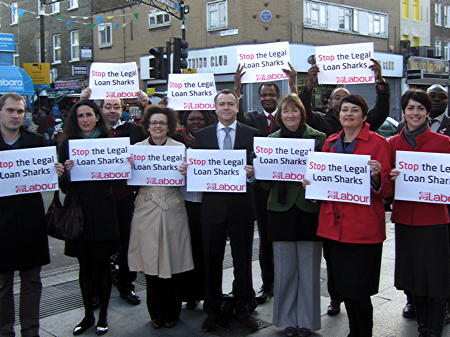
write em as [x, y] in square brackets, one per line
[354, 233]
[421, 229]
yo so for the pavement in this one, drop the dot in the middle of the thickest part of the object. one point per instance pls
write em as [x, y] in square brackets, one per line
[61, 308]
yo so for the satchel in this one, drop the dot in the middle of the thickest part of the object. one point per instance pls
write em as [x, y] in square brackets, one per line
[65, 222]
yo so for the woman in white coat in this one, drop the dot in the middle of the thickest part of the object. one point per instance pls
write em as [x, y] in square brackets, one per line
[160, 244]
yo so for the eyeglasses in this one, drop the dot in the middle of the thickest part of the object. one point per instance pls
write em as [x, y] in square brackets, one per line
[109, 107]
[160, 123]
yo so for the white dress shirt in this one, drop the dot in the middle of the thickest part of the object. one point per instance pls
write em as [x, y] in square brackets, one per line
[221, 133]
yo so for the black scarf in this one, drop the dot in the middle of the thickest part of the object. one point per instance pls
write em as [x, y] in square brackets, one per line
[285, 133]
[411, 135]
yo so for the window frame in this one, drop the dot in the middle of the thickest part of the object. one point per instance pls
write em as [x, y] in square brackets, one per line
[381, 19]
[155, 14]
[55, 8]
[438, 48]
[322, 14]
[106, 26]
[346, 14]
[56, 49]
[209, 10]
[437, 14]
[73, 45]
[71, 4]
[14, 14]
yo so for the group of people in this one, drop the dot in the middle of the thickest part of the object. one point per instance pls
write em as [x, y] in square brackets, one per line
[177, 238]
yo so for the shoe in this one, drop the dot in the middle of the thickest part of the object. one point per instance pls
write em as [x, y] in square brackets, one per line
[131, 297]
[96, 302]
[157, 323]
[263, 296]
[102, 326]
[209, 323]
[81, 327]
[304, 332]
[334, 308]
[191, 305]
[170, 324]
[249, 322]
[290, 331]
[409, 311]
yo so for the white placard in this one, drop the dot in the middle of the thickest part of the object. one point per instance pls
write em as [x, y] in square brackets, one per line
[345, 63]
[263, 62]
[114, 80]
[100, 159]
[424, 177]
[28, 171]
[338, 177]
[216, 171]
[191, 91]
[157, 165]
[282, 159]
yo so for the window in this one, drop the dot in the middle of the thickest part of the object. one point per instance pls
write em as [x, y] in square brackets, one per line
[315, 14]
[437, 14]
[55, 8]
[105, 35]
[16, 60]
[217, 12]
[74, 45]
[377, 24]
[416, 10]
[447, 16]
[416, 41]
[446, 55]
[345, 19]
[57, 48]
[405, 9]
[73, 4]
[158, 19]
[437, 48]
[14, 13]
[40, 8]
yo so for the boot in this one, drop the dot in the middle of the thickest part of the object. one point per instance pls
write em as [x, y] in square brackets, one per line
[420, 304]
[436, 315]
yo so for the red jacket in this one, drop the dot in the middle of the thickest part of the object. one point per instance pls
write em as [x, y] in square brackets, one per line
[420, 213]
[356, 223]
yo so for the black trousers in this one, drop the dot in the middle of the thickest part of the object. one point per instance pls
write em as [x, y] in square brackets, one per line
[360, 317]
[164, 297]
[241, 241]
[265, 246]
[125, 208]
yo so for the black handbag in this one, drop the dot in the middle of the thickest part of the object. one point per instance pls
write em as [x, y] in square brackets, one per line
[65, 222]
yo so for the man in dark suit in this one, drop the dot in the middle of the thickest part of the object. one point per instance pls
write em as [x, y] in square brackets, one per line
[229, 214]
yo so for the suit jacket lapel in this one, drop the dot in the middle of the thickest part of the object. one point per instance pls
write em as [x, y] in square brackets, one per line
[213, 136]
[238, 142]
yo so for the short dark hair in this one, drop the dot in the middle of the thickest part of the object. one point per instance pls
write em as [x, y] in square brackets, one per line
[226, 92]
[417, 95]
[207, 115]
[71, 128]
[160, 109]
[356, 100]
[269, 84]
[291, 99]
[12, 95]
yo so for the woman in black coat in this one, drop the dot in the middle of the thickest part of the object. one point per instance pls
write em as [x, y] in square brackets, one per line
[99, 239]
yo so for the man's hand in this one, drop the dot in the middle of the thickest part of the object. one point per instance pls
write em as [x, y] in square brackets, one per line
[237, 79]
[249, 170]
[292, 78]
[85, 94]
[59, 169]
[312, 77]
[376, 68]
[142, 99]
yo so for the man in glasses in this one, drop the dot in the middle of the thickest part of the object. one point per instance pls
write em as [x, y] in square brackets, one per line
[112, 111]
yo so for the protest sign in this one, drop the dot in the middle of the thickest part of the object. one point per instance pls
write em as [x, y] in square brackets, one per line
[282, 159]
[338, 177]
[345, 63]
[424, 177]
[263, 62]
[28, 171]
[191, 91]
[100, 158]
[216, 171]
[113, 80]
[157, 165]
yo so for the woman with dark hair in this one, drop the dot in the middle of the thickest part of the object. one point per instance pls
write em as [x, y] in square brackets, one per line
[160, 244]
[354, 233]
[192, 292]
[292, 226]
[99, 239]
[421, 229]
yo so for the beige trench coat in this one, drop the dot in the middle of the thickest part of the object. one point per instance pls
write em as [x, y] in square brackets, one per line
[160, 242]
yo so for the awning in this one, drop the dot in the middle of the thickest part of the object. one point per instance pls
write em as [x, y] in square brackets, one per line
[15, 79]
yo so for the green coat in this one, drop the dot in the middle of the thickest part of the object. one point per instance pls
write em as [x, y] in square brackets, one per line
[295, 190]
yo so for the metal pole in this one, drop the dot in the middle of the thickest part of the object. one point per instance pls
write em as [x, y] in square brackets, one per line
[42, 36]
[183, 22]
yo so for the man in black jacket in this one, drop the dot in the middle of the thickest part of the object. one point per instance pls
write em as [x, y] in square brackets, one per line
[23, 236]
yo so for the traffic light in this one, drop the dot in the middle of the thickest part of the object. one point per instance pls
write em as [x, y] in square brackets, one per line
[157, 63]
[180, 54]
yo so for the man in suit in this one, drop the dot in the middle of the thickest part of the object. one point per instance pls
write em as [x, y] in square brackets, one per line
[229, 214]
[439, 121]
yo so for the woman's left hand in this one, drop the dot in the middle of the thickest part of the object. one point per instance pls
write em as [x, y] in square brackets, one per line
[59, 169]
[375, 167]
[249, 170]
[183, 168]
[131, 161]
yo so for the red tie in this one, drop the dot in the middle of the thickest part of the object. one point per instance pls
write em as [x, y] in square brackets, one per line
[271, 123]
